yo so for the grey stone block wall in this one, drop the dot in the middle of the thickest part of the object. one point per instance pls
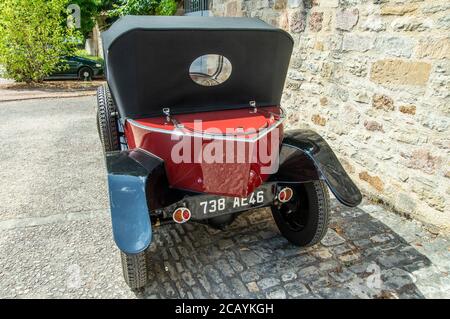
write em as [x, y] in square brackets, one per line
[372, 77]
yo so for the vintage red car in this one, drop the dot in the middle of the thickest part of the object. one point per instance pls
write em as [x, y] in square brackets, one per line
[192, 129]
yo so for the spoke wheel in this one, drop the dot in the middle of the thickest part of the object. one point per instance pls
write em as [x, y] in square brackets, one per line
[290, 212]
[304, 219]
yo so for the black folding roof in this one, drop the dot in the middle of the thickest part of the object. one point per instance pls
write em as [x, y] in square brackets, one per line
[148, 59]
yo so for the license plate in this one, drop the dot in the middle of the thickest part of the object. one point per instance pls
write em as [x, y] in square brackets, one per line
[209, 206]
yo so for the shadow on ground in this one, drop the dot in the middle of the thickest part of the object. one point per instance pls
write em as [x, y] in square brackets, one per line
[360, 257]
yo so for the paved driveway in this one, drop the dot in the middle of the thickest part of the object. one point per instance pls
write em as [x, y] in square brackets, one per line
[55, 234]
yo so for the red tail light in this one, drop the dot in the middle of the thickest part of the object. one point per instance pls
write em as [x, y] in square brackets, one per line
[181, 215]
[285, 195]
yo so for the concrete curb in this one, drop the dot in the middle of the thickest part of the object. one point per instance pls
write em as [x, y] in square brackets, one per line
[48, 96]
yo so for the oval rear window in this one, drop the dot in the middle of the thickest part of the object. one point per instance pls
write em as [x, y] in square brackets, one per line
[210, 69]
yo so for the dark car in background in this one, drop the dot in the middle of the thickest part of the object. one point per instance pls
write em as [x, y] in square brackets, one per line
[79, 68]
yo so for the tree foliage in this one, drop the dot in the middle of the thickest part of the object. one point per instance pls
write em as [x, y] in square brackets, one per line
[89, 12]
[143, 7]
[33, 38]
[166, 8]
[90, 9]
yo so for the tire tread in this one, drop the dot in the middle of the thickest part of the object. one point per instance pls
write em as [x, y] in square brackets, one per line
[107, 120]
[134, 269]
[323, 202]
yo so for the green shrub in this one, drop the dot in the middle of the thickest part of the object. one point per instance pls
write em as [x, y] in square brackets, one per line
[34, 38]
[166, 8]
[84, 54]
[143, 7]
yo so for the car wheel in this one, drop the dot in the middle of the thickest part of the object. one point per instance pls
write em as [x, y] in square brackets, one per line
[85, 74]
[303, 220]
[134, 268]
[107, 117]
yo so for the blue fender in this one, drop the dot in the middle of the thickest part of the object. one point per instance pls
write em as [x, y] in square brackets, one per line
[128, 172]
[306, 156]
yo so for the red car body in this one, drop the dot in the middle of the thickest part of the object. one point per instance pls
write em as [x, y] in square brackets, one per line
[241, 142]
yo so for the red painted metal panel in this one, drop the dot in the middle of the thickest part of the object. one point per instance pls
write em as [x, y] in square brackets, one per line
[233, 164]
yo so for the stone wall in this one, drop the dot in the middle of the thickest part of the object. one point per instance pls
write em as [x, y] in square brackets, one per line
[373, 77]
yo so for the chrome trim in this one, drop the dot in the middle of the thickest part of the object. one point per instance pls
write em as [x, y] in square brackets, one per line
[166, 112]
[180, 131]
[253, 105]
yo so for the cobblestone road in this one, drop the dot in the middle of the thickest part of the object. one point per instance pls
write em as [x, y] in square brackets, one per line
[56, 236]
[360, 257]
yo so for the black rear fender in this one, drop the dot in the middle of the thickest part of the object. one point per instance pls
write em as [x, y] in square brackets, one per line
[305, 156]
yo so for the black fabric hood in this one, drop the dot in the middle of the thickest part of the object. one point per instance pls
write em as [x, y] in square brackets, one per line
[148, 58]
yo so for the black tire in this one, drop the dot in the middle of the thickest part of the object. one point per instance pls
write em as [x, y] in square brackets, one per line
[135, 270]
[304, 219]
[85, 74]
[107, 117]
